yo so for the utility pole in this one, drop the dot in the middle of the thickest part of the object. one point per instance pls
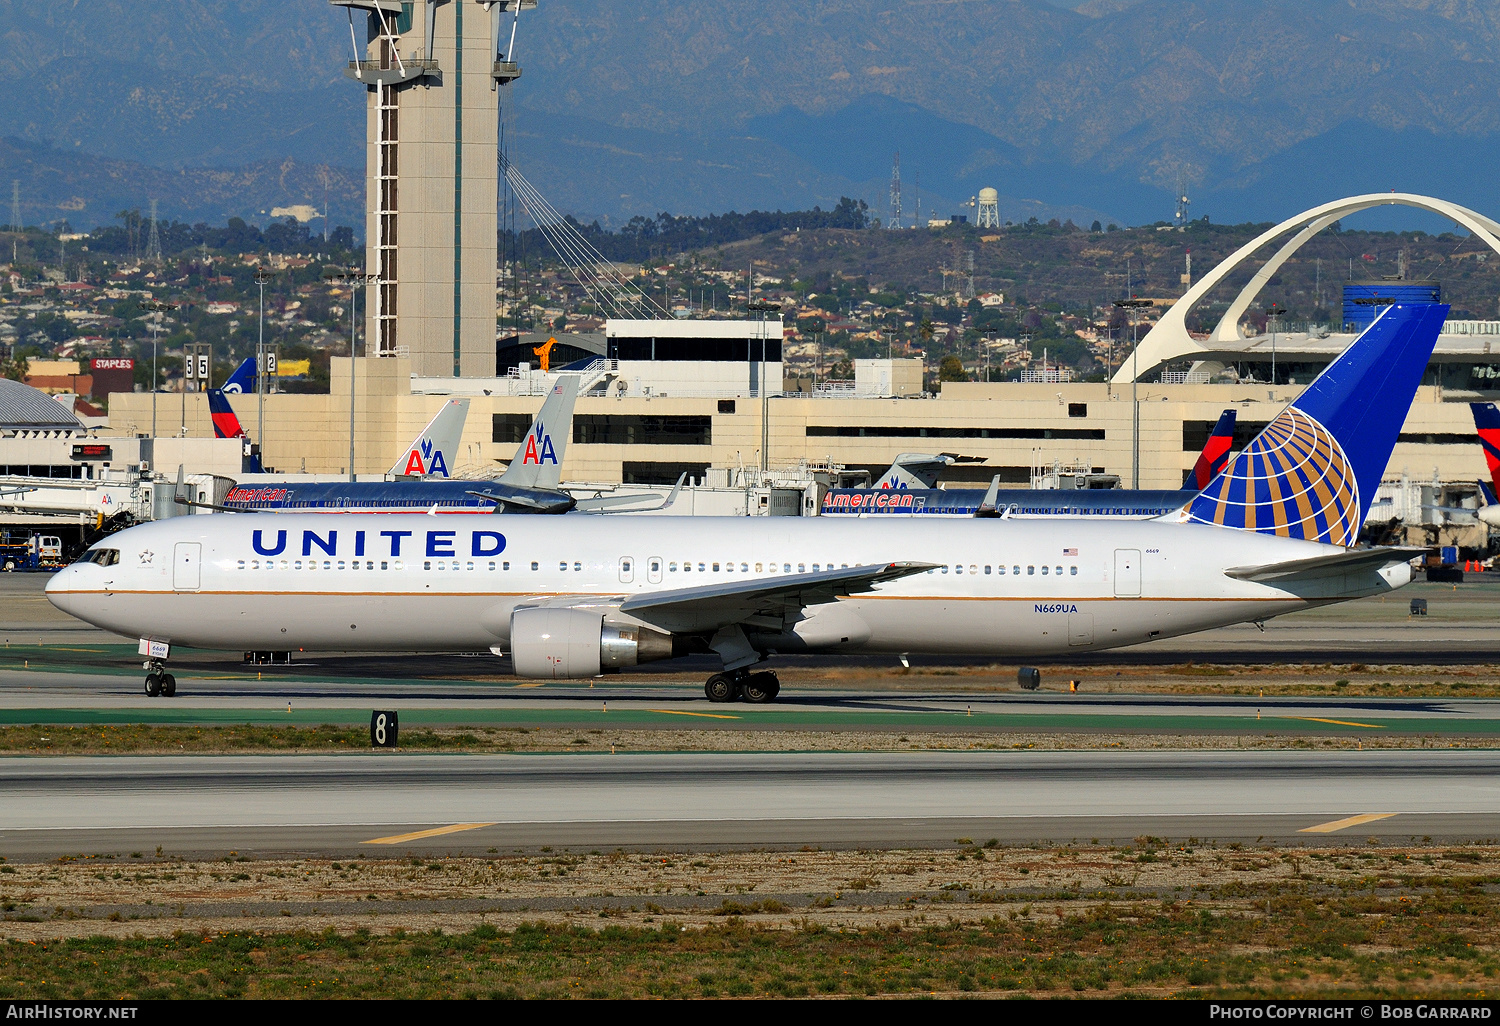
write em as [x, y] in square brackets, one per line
[761, 309]
[153, 244]
[353, 276]
[1132, 304]
[1272, 313]
[159, 309]
[262, 279]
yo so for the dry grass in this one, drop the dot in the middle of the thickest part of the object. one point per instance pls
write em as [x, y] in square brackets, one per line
[1145, 919]
[144, 739]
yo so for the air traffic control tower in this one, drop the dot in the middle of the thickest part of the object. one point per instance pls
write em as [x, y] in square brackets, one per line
[432, 72]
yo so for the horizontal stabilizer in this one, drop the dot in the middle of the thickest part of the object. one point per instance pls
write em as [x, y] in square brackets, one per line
[695, 610]
[1352, 561]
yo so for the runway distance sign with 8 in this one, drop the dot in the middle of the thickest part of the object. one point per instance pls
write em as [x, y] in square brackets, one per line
[383, 729]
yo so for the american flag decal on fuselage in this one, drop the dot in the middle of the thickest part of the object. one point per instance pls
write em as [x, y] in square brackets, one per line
[1293, 480]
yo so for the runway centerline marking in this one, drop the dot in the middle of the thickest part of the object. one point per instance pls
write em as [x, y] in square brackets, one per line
[683, 712]
[1341, 723]
[456, 828]
[1345, 824]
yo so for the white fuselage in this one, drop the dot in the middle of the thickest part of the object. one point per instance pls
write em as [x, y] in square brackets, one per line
[421, 583]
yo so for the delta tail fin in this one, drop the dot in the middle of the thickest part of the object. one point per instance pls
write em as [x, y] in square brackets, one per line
[1487, 424]
[242, 381]
[1215, 455]
[435, 450]
[1312, 473]
[226, 424]
[538, 460]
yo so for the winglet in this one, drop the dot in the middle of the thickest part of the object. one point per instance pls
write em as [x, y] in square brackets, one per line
[988, 506]
[676, 490]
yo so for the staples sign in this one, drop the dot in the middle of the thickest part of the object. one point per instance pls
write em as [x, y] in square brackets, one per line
[108, 364]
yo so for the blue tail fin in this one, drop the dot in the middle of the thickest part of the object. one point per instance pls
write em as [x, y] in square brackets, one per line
[242, 381]
[1312, 473]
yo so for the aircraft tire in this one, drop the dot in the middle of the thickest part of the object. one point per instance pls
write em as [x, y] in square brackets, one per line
[720, 688]
[153, 685]
[760, 688]
[168, 685]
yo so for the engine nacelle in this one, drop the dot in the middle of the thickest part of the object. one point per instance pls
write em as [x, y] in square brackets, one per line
[559, 644]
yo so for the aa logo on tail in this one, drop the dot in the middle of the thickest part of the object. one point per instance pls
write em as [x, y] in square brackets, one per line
[425, 458]
[539, 447]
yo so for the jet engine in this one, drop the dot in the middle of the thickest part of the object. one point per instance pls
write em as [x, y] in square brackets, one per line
[576, 643]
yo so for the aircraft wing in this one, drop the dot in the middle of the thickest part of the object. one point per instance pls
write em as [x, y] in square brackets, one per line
[1352, 561]
[762, 602]
[534, 500]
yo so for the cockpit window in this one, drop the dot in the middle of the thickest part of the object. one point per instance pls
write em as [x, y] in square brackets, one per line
[104, 557]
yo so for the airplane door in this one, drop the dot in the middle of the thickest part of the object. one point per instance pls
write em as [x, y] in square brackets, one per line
[1080, 629]
[653, 569]
[187, 564]
[627, 569]
[1127, 573]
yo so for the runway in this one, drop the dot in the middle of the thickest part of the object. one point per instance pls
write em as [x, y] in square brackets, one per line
[339, 804]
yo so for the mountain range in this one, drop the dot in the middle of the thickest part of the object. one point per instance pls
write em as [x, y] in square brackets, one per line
[1085, 110]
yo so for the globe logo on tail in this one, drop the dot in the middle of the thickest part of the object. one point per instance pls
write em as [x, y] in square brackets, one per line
[1293, 480]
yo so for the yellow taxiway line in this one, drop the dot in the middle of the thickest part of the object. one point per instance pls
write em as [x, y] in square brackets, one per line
[1341, 723]
[1345, 824]
[680, 712]
[434, 832]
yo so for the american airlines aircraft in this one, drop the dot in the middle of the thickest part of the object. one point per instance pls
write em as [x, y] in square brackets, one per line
[574, 596]
[530, 484]
[923, 498]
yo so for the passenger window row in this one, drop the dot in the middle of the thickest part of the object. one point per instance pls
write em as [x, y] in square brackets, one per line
[729, 566]
[1015, 571]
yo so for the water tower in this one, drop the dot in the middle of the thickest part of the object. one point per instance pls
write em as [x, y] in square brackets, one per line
[989, 208]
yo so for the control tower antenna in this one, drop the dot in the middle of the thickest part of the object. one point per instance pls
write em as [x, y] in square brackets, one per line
[1180, 218]
[896, 192]
[153, 243]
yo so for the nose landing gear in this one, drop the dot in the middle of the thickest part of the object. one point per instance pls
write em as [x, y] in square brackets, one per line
[158, 681]
[755, 688]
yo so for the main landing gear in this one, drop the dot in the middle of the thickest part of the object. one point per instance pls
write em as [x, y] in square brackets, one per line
[756, 688]
[158, 681]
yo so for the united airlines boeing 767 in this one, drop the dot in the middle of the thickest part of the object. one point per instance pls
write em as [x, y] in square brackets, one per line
[574, 596]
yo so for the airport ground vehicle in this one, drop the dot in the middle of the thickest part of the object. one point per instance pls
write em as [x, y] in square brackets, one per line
[34, 552]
